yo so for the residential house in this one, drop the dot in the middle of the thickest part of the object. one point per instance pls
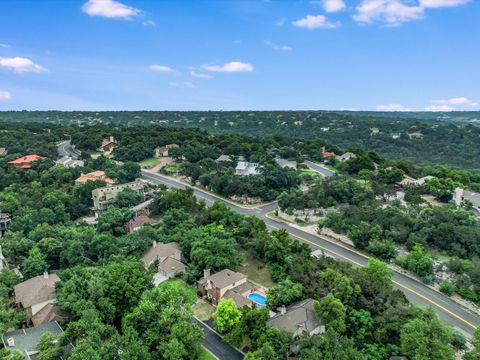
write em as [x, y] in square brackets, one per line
[5, 222]
[137, 222]
[346, 156]
[326, 154]
[298, 319]
[105, 196]
[284, 163]
[415, 135]
[3, 151]
[108, 144]
[3, 260]
[142, 208]
[407, 180]
[245, 168]
[423, 180]
[374, 131]
[25, 162]
[216, 286]
[162, 151]
[462, 195]
[168, 257]
[67, 161]
[37, 297]
[225, 158]
[98, 175]
[27, 340]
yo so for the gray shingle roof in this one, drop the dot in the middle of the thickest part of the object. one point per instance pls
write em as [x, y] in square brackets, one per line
[160, 251]
[225, 278]
[301, 314]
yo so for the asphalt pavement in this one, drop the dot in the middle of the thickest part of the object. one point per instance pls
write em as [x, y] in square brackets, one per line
[451, 312]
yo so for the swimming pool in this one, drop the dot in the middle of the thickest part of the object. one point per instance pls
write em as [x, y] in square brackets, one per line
[258, 298]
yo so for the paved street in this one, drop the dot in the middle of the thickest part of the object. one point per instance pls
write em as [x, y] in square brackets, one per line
[451, 312]
[318, 168]
[215, 344]
[66, 149]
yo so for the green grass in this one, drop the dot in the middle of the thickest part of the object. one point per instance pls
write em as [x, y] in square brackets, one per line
[150, 162]
[312, 173]
[203, 310]
[171, 169]
[205, 355]
[256, 270]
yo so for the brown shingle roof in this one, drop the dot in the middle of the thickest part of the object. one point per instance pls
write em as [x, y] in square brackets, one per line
[172, 264]
[225, 278]
[50, 312]
[160, 251]
[36, 290]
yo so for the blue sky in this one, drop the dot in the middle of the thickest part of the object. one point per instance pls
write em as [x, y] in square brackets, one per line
[240, 55]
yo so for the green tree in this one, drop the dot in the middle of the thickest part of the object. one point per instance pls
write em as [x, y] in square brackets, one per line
[284, 294]
[48, 347]
[128, 198]
[425, 337]
[418, 261]
[331, 312]
[35, 264]
[113, 220]
[226, 315]
[474, 353]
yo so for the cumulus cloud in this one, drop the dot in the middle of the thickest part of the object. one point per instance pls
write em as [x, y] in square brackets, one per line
[455, 101]
[392, 107]
[312, 22]
[442, 108]
[331, 6]
[200, 75]
[161, 68]
[21, 65]
[230, 67]
[391, 12]
[278, 47]
[182, 85]
[110, 9]
[442, 3]
[5, 96]
[395, 12]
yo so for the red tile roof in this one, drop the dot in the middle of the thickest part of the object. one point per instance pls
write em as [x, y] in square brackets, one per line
[25, 161]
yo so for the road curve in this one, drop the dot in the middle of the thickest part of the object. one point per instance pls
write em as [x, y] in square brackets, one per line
[65, 149]
[418, 293]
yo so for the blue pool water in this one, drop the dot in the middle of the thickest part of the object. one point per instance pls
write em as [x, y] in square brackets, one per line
[258, 299]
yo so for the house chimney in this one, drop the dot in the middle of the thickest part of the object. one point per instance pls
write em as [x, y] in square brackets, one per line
[206, 273]
[45, 274]
[11, 342]
[154, 244]
[112, 139]
[283, 310]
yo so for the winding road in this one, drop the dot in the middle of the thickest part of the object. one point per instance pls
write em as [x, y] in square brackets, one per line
[451, 312]
[65, 149]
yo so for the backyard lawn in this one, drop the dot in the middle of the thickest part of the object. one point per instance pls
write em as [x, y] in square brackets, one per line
[205, 355]
[203, 310]
[256, 271]
[150, 162]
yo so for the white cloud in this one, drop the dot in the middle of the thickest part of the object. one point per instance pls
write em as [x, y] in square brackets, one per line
[442, 3]
[232, 66]
[182, 85]
[312, 22]
[21, 65]
[110, 9]
[331, 6]
[391, 12]
[395, 12]
[280, 22]
[442, 108]
[392, 107]
[455, 101]
[149, 23]
[161, 68]
[200, 75]
[5, 96]
[2, 45]
[278, 47]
